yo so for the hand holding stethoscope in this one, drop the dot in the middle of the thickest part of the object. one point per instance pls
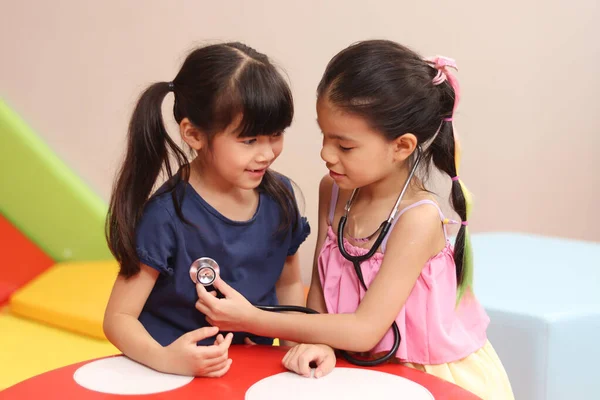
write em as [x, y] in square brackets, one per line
[230, 308]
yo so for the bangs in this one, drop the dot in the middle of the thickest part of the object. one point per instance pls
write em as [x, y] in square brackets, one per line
[261, 96]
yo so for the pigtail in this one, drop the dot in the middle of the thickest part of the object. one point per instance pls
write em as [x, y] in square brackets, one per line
[148, 149]
[463, 240]
[446, 156]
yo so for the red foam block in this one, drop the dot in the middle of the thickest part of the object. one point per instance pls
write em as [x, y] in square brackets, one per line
[20, 259]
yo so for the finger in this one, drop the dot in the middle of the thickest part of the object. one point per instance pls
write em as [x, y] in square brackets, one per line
[247, 340]
[201, 333]
[227, 342]
[289, 356]
[214, 364]
[224, 288]
[325, 365]
[204, 297]
[208, 352]
[304, 360]
[213, 293]
[219, 339]
[221, 372]
[203, 308]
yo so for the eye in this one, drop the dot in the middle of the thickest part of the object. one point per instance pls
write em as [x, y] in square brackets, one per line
[277, 134]
[249, 141]
[346, 148]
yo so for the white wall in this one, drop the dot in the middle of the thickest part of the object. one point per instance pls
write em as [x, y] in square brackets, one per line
[529, 74]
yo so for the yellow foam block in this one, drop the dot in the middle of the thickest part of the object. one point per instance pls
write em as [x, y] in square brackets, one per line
[71, 295]
[29, 348]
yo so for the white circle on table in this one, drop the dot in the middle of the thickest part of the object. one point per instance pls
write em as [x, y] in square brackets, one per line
[121, 375]
[341, 383]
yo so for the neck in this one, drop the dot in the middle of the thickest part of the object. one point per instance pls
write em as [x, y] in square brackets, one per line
[204, 180]
[389, 187]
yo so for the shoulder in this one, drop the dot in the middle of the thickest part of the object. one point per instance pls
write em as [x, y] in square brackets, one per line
[325, 189]
[325, 185]
[420, 225]
[158, 211]
[160, 205]
[426, 215]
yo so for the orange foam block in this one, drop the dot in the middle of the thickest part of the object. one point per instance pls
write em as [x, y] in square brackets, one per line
[20, 259]
[70, 295]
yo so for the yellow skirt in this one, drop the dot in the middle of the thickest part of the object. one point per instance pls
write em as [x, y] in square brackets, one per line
[481, 373]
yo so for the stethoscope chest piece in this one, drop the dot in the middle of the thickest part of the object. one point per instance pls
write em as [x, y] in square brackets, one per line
[204, 271]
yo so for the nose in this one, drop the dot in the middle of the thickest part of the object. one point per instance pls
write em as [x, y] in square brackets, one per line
[328, 155]
[266, 153]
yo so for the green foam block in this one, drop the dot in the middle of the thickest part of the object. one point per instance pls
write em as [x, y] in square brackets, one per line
[44, 199]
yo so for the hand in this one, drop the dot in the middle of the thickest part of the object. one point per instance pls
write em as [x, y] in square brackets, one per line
[231, 313]
[185, 357]
[299, 357]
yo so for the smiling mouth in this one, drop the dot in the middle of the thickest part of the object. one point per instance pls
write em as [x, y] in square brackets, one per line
[257, 171]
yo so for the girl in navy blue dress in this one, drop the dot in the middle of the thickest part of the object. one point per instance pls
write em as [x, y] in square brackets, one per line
[232, 107]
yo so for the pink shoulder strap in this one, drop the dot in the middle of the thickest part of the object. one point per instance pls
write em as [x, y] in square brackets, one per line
[335, 190]
[417, 204]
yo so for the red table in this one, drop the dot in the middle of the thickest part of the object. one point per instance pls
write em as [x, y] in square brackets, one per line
[250, 364]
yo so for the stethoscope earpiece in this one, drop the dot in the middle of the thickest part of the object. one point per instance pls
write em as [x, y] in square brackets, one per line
[204, 271]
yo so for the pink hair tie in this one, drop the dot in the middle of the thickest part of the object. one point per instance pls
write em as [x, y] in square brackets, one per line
[455, 178]
[442, 64]
[464, 223]
[448, 119]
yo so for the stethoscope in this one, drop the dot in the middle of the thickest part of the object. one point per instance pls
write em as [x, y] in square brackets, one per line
[205, 270]
[383, 230]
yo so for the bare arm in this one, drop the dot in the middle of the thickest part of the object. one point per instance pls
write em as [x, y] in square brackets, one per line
[121, 324]
[289, 288]
[315, 299]
[183, 356]
[416, 237]
[291, 273]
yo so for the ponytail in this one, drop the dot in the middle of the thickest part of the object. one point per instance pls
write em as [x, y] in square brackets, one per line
[148, 149]
[446, 155]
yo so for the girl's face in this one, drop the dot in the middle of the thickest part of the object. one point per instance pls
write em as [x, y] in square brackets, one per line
[233, 161]
[242, 162]
[355, 154]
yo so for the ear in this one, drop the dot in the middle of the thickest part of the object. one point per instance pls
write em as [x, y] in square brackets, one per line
[193, 136]
[404, 146]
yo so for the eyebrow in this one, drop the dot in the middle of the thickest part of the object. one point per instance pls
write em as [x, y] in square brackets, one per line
[341, 137]
[335, 135]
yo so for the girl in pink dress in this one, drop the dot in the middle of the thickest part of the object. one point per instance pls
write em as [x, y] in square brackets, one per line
[382, 109]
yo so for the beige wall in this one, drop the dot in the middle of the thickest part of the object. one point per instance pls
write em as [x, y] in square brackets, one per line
[528, 122]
